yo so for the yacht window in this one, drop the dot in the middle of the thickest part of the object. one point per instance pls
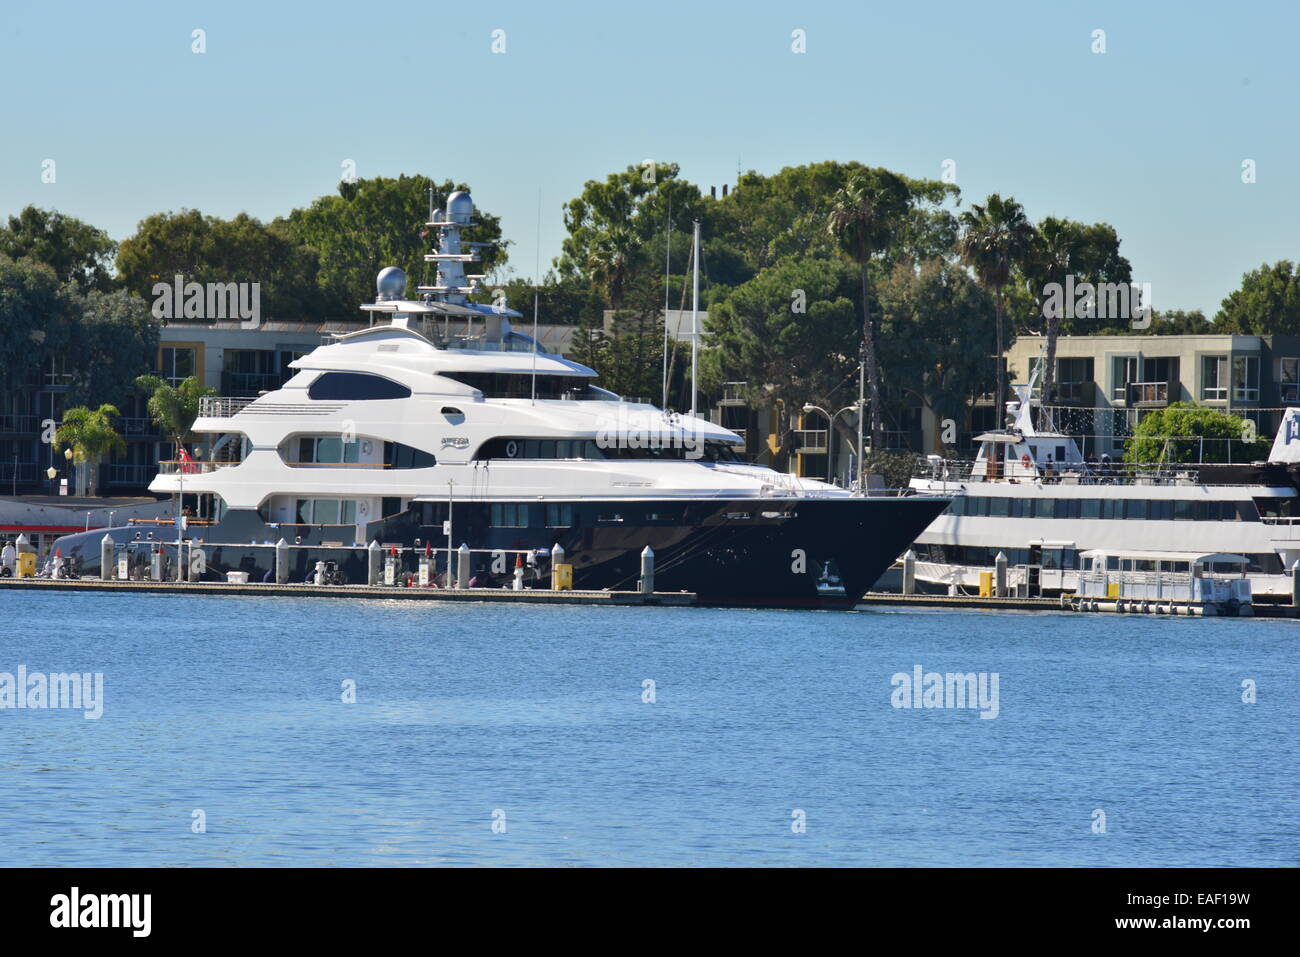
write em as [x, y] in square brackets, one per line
[509, 515]
[1014, 507]
[559, 515]
[1112, 508]
[356, 386]
[1067, 508]
[998, 507]
[326, 512]
[1182, 511]
[1136, 508]
[399, 456]
[1091, 508]
[1160, 510]
[1046, 508]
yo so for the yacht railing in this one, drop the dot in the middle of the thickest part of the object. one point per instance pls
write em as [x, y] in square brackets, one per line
[1118, 473]
[190, 467]
[222, 407]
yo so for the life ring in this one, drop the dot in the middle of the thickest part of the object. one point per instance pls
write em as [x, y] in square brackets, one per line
[362, 508]
[512, 449]
[365, 447]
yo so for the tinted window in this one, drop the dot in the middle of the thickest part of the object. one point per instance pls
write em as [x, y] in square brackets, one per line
[1091, 508]
[351, 386]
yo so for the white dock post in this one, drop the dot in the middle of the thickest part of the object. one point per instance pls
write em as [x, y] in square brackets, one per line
[374, 558]
[1295, 584]
[909, 572]
[1000, 575]
[155, 564]
[106, 569]
[463, 559]
[282, 562]
[647, 571]
[557, 559]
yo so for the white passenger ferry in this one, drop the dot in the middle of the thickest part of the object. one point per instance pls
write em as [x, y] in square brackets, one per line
[1031, 495]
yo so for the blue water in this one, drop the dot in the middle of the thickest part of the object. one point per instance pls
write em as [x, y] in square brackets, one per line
[233, 706]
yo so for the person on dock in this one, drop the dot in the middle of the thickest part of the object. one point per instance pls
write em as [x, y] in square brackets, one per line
[8, 558]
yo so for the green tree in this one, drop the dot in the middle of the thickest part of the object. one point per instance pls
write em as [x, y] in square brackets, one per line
[380, 222]
[1060, 248]
[1266, 303]
[117, 341]
[936, 332]
[864, 216]
[207, 249]
[792, 334]
[174, 408]
[1184, 433]
[995, 239]
[89, 433]
[39, 320]
[76, 251]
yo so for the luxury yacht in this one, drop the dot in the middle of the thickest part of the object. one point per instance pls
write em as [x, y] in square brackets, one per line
[440, 425]
[1031, 495]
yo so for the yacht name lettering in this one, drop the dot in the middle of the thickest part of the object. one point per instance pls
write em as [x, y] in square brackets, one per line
[455, 442]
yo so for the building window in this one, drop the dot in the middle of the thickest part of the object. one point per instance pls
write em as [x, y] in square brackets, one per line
[1123, 370]
[1288, 377]
[1073, 377]
[177, 363]
[1214, 377]
[1245, 379]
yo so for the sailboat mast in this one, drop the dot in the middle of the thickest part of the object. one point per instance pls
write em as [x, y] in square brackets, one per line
[668, 264]
[695, 318]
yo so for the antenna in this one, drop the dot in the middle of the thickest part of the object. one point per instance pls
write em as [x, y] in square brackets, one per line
[695, 318]
[668, 258]
[537, 285]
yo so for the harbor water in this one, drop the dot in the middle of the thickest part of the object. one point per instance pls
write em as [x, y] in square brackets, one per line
[536, 735]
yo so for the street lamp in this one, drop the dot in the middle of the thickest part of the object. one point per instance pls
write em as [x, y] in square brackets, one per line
[830, 433]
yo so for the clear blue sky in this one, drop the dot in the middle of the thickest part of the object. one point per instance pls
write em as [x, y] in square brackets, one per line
[1149, 136]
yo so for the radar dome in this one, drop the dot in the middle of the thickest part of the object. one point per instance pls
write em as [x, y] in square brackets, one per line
[460, 207]
[391, 283]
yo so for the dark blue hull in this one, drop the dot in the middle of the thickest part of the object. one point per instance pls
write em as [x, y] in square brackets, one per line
[803, 553]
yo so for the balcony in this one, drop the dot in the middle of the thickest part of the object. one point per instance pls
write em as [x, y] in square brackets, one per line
[810, 441]
[732, 394]
[17, 424]
[1146, 395]
[249, 383]
[1075, 393]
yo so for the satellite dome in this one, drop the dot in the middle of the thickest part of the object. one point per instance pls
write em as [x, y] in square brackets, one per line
[460, 207]
[391, 283]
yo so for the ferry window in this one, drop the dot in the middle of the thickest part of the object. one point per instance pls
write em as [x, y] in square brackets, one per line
[1112, 508]
[1069, 558]
[559, 516]
[1136, 508]
[1200, 511]
[1050, 558]
[998, 507]
[1015, 508]
[355, 386]
[1180, 567]
[1091, 508]
[1067, 508]
[1161, 510]
[1046, 508]
[1182, 511]
[510, 515]
[1112, 563]
[1146, 565]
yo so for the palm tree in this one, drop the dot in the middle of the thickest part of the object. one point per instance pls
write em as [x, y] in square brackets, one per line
[1052, 256]
[612, 256]
[995, 239]
[89, 433]
[174, 408]
[865, 213]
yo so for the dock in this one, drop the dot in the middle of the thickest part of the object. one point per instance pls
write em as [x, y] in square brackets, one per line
[1072, 603]
[542, 596]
